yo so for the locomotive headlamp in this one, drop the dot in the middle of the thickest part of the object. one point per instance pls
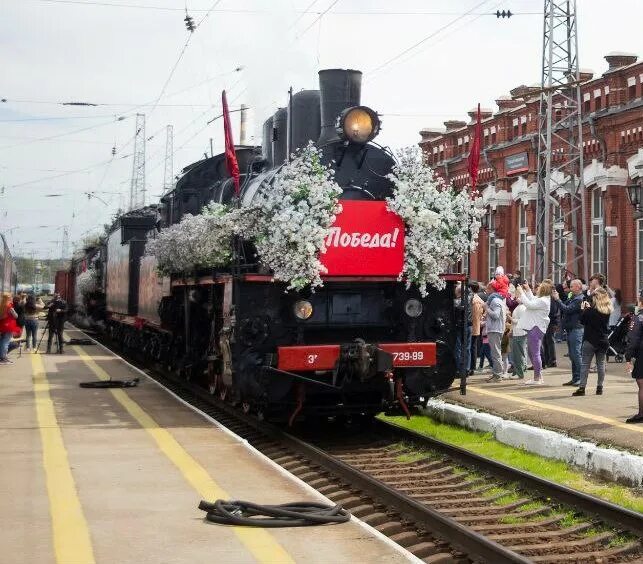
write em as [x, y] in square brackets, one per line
[303, 309]
[413, 307]
[358, 124]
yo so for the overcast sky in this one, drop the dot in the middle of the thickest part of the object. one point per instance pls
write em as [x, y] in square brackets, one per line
[121, 55]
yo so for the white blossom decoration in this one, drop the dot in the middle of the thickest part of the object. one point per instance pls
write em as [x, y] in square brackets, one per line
[436, 217]
[294, 216]
[203, 240]
[87, 282]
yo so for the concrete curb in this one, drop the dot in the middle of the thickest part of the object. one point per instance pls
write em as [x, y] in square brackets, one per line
[609, 463]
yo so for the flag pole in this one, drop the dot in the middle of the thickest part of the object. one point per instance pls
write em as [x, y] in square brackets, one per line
[474, 161]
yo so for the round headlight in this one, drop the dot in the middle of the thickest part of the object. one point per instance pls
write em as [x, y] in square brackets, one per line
[413, 307]
[358, 125]
[303, 309]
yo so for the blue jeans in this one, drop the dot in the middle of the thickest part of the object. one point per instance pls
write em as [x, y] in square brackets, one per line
[574, 344]
[460, 366]
[5, 339]
[31, 329]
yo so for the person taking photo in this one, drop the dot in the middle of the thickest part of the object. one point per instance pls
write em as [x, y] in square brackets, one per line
[594, 318]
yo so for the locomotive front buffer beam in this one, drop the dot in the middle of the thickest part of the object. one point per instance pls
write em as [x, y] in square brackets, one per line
[353, 361]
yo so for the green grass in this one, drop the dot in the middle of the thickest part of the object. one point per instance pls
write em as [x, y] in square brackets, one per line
[570, 519]
[410, 457]
[532, 505]
[620, 540]
[485, 445]
[511, 520]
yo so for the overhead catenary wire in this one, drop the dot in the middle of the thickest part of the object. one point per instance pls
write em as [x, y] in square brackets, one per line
[319, 17]
[56, 136]
[425, 39]
[243, 11]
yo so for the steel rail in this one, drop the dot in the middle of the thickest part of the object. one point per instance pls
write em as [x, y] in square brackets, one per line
[459, 536]
[456, 534]
[607, 511]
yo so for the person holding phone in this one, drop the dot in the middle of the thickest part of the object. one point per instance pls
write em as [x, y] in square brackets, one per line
[535, 320]
[573, 327]
[594, 317]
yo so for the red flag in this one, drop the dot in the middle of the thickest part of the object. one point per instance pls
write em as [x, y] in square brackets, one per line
[230, 156]
[474, 155]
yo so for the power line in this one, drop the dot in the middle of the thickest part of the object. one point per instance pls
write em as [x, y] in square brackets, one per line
[302, 13]
[52, 118]
[319, 17]
[425, 39]
[121, 118]
[67, 173]
[176, 64]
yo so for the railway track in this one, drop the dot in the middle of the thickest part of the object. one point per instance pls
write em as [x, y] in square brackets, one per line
[443, 504]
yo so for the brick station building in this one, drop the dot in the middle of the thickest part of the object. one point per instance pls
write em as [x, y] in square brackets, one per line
[612, 114]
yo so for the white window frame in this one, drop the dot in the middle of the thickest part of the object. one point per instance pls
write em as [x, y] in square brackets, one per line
[598, 232]
[493, 247]
[524, 246]
[560, 245]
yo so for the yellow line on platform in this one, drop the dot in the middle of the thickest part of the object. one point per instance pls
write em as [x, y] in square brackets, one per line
[72, 543]
[263, 546]
[561, 409]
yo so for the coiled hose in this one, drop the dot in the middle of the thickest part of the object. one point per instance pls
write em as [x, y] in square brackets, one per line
[297, 514]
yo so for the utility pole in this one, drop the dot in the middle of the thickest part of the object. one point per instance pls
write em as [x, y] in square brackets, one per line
[65, 243]
[168, 175]
[137, 186]
[242, 124]
[560, 128]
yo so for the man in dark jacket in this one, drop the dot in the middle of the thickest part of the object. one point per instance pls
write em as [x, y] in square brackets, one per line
[463, 358]
[572, 325]
[634, 352]
[56, 313]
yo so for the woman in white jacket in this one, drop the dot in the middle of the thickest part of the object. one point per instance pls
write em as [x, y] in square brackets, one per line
[534, 321]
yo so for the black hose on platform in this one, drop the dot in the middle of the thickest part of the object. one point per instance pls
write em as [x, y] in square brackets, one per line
[83, 342]
[110, 384]
[297, 514]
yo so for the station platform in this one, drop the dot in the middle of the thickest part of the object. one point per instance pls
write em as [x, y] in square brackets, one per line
[599, 419]
[115, 475]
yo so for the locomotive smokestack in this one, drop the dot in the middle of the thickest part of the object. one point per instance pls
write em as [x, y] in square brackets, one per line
[339, 89]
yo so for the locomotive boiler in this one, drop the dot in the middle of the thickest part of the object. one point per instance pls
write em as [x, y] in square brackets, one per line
[362, 343]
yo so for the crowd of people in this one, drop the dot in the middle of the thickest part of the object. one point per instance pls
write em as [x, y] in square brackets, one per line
[515, 328]
[19, 315]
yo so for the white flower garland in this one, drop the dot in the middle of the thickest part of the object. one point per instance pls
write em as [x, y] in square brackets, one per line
[87, 282]
[202, 240]
[436, 220]
[295, 213]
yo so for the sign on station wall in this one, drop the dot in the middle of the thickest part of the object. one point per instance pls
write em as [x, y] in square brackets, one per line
[515, 164]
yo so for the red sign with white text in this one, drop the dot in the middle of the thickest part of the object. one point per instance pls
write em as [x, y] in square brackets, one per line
[365, 240]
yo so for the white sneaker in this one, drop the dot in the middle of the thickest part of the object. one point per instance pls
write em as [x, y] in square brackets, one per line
[534, 382]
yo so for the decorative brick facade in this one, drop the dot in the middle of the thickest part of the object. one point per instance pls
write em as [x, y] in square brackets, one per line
[612, 113]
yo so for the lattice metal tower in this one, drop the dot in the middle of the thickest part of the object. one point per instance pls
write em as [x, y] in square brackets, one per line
[560, 139]
[168, 176]
[137, 186]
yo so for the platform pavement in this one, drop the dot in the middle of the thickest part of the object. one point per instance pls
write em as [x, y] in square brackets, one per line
[111, 476]
[599, 419]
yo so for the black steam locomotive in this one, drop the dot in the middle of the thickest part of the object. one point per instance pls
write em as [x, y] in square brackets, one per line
[360, 344]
